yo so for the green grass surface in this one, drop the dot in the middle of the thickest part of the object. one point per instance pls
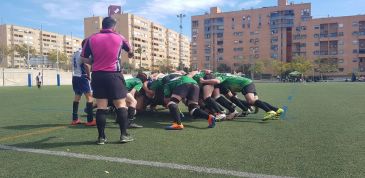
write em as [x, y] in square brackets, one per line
[323, 135]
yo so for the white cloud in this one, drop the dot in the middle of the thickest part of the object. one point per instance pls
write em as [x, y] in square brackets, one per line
[77, 9]
[160, 9]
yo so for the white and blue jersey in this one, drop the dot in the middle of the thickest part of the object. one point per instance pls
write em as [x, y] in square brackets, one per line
[78, 68]
[80, 82]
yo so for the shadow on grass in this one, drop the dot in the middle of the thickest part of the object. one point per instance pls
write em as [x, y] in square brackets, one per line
[35, 126]
[45, 144]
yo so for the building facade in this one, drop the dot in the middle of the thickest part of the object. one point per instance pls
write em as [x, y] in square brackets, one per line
[158, 45]
[239, 39]
[42, 41]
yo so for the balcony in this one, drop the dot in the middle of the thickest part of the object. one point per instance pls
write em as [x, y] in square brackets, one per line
[361, 51]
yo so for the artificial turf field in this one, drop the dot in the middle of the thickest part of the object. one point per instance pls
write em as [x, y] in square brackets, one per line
[322, 135]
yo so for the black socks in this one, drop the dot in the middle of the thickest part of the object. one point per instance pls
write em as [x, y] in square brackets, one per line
[225, 103]
[75, 108]
[122, 118]
[89, 111]
[175, 113]
[101, 121]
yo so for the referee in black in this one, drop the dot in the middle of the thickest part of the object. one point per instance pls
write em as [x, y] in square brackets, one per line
[103, 50]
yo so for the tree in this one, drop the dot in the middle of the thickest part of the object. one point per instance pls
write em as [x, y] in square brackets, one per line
[224, 68]
[301, 65]
[326, 65]
[4, 53]
[279, 67]
[63, 60]
[166, 66]
[22, 50]
[257, 68]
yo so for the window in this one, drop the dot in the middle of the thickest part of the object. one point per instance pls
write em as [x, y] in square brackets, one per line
[207, 58]
[220, 27]
[238, 58]
[219, 35]
[195, 23]
[316, 44]
[316, 27]
[237, 49]
[220, 50]
[219, 42]
[237, 33]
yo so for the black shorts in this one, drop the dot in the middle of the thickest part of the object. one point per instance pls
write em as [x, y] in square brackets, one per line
[108, 85]
[223, 90]
[250, 88]
[159, 97]
[188, 91]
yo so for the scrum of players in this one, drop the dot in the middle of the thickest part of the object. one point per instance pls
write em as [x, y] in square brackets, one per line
[207, 95]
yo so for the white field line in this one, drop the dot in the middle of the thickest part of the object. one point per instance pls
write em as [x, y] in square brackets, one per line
[141, 162]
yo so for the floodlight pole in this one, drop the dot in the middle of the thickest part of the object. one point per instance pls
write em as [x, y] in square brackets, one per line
[180, 16]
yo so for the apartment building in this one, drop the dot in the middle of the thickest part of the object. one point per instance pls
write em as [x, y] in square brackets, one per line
[239, 39]
[42, 41]
[158, 44]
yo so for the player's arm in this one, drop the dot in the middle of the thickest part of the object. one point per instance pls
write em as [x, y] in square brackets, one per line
[87, 70]
[127, 47]
[210, 81]
[192, 73]
[133, 91]
[86, 53]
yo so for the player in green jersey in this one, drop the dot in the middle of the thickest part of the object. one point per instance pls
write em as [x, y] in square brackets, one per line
[230, 84]
[180, 88]
[134, 85]
[206, 99]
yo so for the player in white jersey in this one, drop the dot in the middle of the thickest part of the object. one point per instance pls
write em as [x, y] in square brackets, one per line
[81, 85]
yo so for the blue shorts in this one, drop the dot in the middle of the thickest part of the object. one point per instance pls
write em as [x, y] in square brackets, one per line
[81, 85]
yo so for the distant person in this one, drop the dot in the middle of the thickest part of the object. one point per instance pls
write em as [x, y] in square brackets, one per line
[107, 81]
[353, 77]
[81, 85]
[38, 79]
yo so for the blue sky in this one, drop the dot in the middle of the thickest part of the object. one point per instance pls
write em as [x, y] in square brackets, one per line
[66, 16]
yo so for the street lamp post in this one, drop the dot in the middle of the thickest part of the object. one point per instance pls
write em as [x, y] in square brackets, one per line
[180, 16]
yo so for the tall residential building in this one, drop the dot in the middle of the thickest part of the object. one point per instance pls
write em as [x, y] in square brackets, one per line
[42, 41]
[158, 44]
[241, 38]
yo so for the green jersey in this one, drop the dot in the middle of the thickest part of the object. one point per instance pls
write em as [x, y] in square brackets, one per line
[198, 76]
[133, 83]
[156, 84]
[172, 84]
[233, 82]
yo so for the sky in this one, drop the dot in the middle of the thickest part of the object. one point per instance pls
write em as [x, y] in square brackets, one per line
[67, 16]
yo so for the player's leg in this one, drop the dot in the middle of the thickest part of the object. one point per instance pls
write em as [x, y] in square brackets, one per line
[118, 92]
[76, 101]
[89, 109]
[194, 110]
[100, 93]
[225, 103]
[211, 103]
[131, 104]
[86, 89]
[175, 112]
[75, 108]
[249, 93]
